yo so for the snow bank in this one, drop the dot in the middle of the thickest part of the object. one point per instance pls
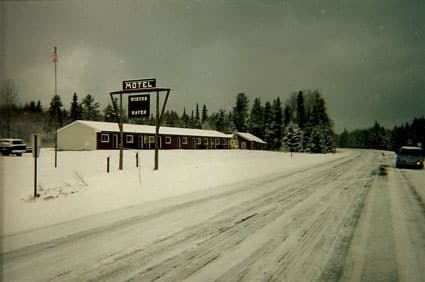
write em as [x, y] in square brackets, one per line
[81, 187]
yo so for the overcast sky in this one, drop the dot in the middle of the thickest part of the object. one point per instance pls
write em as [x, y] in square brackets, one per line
[367, 57]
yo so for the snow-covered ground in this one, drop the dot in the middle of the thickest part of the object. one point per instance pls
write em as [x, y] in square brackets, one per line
[80, 185]
[214, 216]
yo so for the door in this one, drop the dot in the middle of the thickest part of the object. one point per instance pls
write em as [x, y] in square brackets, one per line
[115, 143]
[140, 142]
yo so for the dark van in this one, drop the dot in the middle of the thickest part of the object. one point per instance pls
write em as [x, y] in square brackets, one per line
[410, 157]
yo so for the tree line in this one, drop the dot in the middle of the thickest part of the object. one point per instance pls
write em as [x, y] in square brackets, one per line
[300, 124]
[378, 137]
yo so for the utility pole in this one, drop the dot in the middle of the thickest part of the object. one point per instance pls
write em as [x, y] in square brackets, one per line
[54, 59]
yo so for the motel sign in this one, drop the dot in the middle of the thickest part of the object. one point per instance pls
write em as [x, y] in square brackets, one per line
[138, 84]
[139, 106]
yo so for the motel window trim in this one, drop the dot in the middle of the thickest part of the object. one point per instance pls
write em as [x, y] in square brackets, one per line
[198, 141]
[167, 140]
[104, 138]
[129, 139]
[184, 140]
[151, 139]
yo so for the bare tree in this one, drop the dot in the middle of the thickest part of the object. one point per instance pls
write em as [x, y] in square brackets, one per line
[8, 106]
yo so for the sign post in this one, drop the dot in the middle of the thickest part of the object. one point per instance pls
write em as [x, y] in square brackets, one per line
[36, 142]
[139, 106]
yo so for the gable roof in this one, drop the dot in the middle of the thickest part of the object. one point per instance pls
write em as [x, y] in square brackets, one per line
[250, 137]
[100, 126]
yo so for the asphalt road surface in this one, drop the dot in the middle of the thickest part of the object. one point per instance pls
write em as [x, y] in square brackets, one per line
[354, 219]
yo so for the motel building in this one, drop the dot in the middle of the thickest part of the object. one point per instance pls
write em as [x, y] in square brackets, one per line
[83, 135]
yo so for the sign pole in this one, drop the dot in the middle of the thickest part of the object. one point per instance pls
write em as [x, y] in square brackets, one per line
[121, 135]
[35, 153]
[157, 131]
[35, 166]
[139, 106]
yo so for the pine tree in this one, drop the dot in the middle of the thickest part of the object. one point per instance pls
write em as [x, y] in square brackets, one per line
[197, 121]
[240, 112]
[192, 120]
[268, 119]
[220, 123]
[185, 120]
[300, 110]
[277, 124]
[256, 119]
[75, 112]
[292, 138]
[38, 107]
[286, 116]
[55, 111]
[109, 114]
[204, 118]
[90, 108]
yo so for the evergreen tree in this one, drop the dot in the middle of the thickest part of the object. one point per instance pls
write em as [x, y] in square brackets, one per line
[220, 123]
[277, 124]
[197, 121]
[300, 110]
[90, 108]
[268, 119]
[343, 139]
[171, 119]
[185, 119]
[55, 111]
[109, 114]
[292, 138]
[204, 114]
[75, 112]
[38, 107]
[286, 116]
[240, 112]
[192, 120]
[256, 119]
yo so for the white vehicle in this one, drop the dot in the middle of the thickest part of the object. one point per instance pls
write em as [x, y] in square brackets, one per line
[410, 157]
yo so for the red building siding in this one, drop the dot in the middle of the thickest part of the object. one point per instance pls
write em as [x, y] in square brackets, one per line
[111, 140]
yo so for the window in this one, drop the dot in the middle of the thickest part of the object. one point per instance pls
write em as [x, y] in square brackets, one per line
[198, 141]
[129, 139]
[184, 140]
[151, 139]
[167, 140]
[224, 141]
[104, 138]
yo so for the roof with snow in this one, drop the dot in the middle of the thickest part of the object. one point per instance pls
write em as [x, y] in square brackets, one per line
[100, 126]
[250, 137]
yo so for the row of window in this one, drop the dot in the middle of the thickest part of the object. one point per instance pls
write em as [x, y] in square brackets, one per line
[129, 139]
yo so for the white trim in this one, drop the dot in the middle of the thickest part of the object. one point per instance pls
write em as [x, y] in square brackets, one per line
[106, 139]
[184, 140]
[167, 139]
[129, 140]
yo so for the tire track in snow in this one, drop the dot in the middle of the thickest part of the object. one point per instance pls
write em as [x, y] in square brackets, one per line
[190, 251]
[219, 237]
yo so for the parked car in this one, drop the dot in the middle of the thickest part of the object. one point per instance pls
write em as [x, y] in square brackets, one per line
[12, 146]
[410, 157]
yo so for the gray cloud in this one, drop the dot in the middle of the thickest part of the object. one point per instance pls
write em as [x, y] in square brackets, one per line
[366, 57]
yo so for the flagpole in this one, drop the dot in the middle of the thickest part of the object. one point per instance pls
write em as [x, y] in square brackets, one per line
[56, 118]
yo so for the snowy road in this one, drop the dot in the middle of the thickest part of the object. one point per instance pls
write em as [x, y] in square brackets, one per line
[343, 220]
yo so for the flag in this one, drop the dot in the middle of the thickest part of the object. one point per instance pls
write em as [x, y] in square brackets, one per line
[54, 57]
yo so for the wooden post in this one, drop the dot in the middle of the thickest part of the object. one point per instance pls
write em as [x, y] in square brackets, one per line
[157, 131]
[35, 164]
[107, 164]
[121, 136]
